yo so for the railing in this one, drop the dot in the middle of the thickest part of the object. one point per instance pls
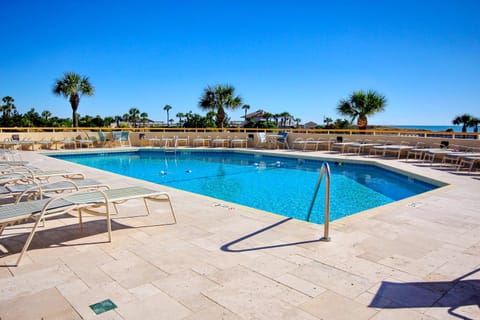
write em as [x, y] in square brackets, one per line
[353, 132]
[325, 170]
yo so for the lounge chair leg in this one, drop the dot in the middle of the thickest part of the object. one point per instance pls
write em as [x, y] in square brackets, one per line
[109, 222]
[116, 208]
[80, 220]
[146, 206]
[162, 200]
[29, 239]
[171, 208]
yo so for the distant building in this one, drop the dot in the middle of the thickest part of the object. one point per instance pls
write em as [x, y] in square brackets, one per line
[255, 116]
[310, 125]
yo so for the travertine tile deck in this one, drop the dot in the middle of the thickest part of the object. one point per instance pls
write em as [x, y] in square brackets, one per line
[415, 259]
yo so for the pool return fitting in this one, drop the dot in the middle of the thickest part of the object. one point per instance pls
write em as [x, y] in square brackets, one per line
[325, 170]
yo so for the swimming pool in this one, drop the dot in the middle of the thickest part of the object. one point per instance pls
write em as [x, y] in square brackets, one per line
[276, 184]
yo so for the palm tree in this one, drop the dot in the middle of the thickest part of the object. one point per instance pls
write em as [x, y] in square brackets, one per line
[46, 114]
[144, 118]
[219, 98]
[276, 116]
[327, 121]
[245, 107]
[267, 116]
[463, 120]
[134, 115]
[360, 105]
[298, 120]
[474, 122]
[73, 86]
[8, 107]
[284, 117]
[107, 121]
[180, 115]
[168, 108]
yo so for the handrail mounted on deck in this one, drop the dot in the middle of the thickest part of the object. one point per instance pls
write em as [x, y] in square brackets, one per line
[325, 170]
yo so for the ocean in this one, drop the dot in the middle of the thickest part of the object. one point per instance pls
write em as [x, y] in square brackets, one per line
[431, 128]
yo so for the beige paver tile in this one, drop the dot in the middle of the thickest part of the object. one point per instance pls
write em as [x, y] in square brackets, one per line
[330, 305]
[253, 295]
[207, 243]
[84, 297]
[298, 259]
[204, 269]
[216, 312]
[408, 265]
[401, 314]
[249, 303]
[175, 259]
[131, 271]
[184, 284]
[225, 260]
[341, 242]
[197, 302]
[460, 265]
[473, 250]
[35, 281]
[303, 286]
[270, 266]
[73, 288]
[384, 248]
[344, 283]
[45, 304]
[359, 266]
[159, 306]
[144, 291]
[297, 313]
[223, 276]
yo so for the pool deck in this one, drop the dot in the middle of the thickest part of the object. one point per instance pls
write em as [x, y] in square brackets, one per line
[418, 258]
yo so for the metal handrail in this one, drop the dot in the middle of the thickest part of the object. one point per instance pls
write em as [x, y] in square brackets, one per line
[325, 170]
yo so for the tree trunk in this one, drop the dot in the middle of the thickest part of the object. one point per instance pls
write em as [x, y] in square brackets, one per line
[362, 122]
[74, 102]
[220, 117]
[75, 119]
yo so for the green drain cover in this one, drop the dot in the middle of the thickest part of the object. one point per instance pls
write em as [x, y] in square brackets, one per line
[103, 306]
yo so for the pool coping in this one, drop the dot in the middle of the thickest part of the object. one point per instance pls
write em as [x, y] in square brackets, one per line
[368, 161]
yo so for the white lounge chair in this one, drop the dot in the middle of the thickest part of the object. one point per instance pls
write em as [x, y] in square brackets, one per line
[203, 141]
[220, 141]
[182, 141]
[36, 190]
[82, 201]
[261, 139]
[27, 174]
[241, 142]
[122, 138]
[468, 162]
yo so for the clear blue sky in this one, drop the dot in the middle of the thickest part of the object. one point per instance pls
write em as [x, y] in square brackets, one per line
[296, 56]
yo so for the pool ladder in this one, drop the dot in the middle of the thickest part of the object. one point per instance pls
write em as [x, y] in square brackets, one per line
[324, 171]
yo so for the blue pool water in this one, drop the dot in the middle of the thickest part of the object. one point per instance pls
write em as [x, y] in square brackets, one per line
[276, 184]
